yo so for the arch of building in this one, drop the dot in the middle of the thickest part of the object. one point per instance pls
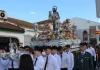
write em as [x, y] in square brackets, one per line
[5, 40]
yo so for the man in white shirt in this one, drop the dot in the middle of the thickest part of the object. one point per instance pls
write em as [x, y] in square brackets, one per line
[39, 62]
[14, 64]
[3, 62]
[91, 50]
[30, 52]
[71, 57]
[51, 62]
[43, 52]
[14, 61]
[58, 58]
[93, 53]
[65, 59]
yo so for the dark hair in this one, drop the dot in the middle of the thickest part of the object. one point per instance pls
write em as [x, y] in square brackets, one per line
[67, 46]
[26, 62]
[43, 47]
[30, 50]
[26, 46]
[60, 48]
[49, 47]
[38, 48]
[54, 48]
[21, 47]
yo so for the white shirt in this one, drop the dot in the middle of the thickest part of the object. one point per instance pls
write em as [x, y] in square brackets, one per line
[15, 63]
[39, 63]
[65, 60]
[83, 52]
[71, 60]
[92, 52]
[4, 64]
[52, 63]
[32, 57]
[88, 50]
[58, 58]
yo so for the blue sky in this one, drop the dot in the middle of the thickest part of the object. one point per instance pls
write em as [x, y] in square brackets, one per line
[37, 10]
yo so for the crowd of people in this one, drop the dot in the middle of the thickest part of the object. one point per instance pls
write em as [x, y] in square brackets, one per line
[52, 58]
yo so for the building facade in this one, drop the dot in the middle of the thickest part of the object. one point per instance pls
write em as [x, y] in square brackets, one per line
[86, 30]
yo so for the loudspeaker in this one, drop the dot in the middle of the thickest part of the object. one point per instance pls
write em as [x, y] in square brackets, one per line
[3, 15]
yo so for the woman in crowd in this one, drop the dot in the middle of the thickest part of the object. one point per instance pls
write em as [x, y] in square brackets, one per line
[26, 62]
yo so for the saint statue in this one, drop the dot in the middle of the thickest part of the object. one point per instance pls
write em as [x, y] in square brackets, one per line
[55, 18]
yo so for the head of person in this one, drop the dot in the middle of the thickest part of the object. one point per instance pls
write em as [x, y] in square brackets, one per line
[83, 46]
[44, 50]
[30, 51]
[54, 9]
[60, 49]
[90, 44]
[67, 48]
[54, 50]
[26, 48]
[26, 62]
[38, 51]
[21, 49]
[48, 50]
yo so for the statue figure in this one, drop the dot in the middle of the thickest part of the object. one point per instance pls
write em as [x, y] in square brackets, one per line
[55, 17]
[68, 25]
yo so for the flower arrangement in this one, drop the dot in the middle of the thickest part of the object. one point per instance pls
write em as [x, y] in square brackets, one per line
[65, 31]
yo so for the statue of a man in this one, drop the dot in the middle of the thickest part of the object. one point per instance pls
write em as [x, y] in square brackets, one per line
[55, 17]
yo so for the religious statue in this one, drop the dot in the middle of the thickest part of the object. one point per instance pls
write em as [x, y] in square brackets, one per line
[68, 25]
[55, 18]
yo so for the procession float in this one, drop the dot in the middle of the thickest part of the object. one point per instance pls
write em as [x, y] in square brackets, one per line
[56, 33]
[53, 34]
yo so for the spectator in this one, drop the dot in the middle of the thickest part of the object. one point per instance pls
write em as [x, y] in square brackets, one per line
[26, 62]
[26, 48]
[30, 51]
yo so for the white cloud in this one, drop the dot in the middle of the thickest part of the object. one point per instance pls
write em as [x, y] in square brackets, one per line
[33, 13]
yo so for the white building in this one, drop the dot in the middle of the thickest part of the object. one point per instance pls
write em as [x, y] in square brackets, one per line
[16, 29]
[27, 26]
[83, 29]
